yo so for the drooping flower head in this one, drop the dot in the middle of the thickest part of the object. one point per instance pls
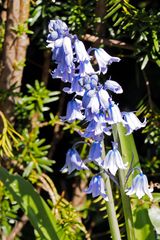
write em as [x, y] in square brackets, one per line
[90, 101]
[140, 187]
[113, 86]
[58, 28]
[113, 160]
[95, 153]
[103, 98]
[97, 128]
[97, 187]
[104, 59]
[73, 161]
[81, 52]
[114, 113]
[75, 87]
[73, 111]
[132, 122]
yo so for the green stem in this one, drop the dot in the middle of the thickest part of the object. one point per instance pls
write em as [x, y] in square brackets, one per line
[125, 199]
[112, 218]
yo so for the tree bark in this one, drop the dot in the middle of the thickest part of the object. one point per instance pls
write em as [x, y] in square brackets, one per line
[14, 49]
[100, 13]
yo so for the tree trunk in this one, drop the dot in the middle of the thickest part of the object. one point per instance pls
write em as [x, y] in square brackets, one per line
[100, 13]
[14, 49]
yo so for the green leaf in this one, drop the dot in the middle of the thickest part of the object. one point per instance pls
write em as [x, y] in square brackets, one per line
[32, 204]
[155, 40]
[128, 146]
[145, 61]
[154, 215]
[142, 225]
[113, 11]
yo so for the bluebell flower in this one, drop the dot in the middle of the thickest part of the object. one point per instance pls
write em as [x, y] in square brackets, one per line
[113, 160]
[95, 152]
[57, 50]
[81, 53]
[73, 161]
[58, 27]
[55, 44]
[140, 187]
[73, 111]
[57, 30]
[97, 187]
[67, 47]
[103, 98]
[113, 86]
[75, 86]
[104, 59]
[114, 113]
[85, 68]
[132, 122]
[89, 81]
[96, 129]
[62, 72]
[90, 101]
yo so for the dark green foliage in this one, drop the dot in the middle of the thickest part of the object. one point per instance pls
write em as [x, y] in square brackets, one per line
[79, 15]
[137, 26]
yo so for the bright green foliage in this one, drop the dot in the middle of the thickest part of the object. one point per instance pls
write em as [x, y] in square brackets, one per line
[62, 222]
[142, 224]
[154, 214]
[32, 204]
[34, 103]
[33, 153]
[8, 209]
[8, 133]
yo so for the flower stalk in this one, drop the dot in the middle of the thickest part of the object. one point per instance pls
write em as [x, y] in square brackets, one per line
[110, 207]
[125, 199]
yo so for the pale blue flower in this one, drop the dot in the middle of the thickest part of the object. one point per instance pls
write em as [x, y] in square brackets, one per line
[96, 129]
[67, 47]
[97, 187]
[113, 86]
[103, 98]
[113, 160]
[63, 72]
[114, 113]
[104, 59]
[75, 86]
[55, 44]
[81, 53]
[73, 111]
[95, 152]
[58, 54]
[90, 101]
[89, 81]
[58, 27]
[73, 161]
[140, 187]
[132, 122]
[57, 30]
[85, 67]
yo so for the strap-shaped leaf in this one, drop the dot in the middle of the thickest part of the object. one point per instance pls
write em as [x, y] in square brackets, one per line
[33, 205]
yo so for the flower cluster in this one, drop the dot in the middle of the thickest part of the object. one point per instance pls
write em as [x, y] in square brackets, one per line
[92, 102]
